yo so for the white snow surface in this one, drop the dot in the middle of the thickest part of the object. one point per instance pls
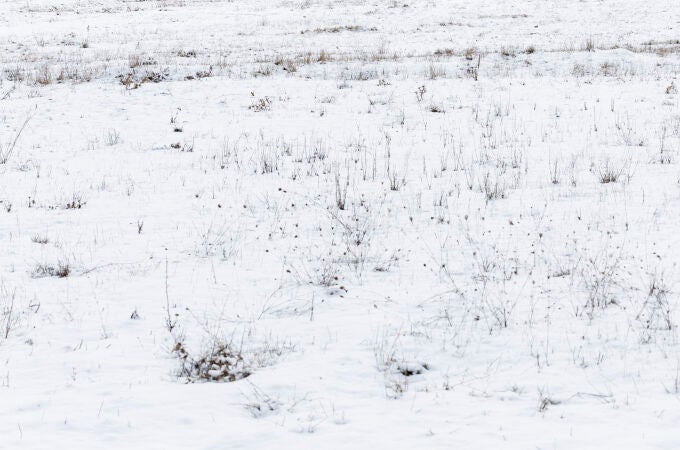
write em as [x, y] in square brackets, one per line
[395, 224]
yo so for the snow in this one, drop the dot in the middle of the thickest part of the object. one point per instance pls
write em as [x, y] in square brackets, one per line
[334, 224]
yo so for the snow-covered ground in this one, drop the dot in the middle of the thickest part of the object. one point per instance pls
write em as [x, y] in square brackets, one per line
[319, 224]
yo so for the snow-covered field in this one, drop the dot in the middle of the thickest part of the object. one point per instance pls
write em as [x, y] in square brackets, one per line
[319, 224]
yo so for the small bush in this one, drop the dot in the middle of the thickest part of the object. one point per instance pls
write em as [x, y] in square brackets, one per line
[77, 201]
[610, 174]
[38, 239]
[263, 104]
[61, 270]
[589, 45]
[222, 361]
[219, 363]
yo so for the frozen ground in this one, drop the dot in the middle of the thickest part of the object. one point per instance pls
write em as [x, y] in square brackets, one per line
[329, 224]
